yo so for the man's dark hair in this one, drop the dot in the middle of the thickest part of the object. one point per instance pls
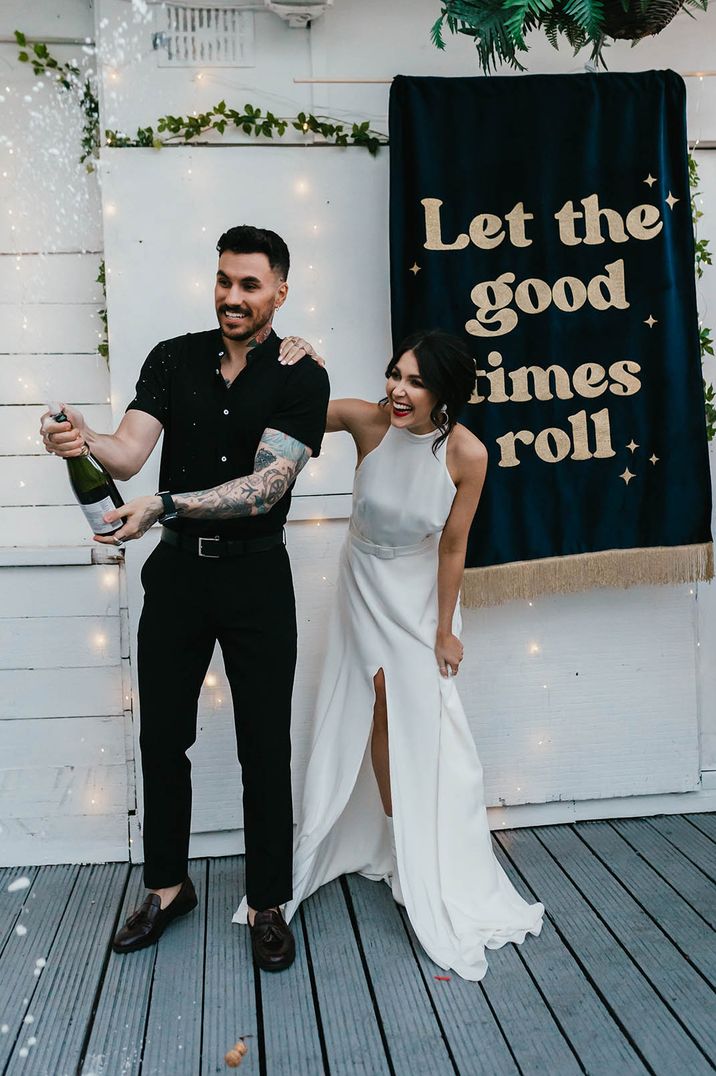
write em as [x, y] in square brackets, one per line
[245, 239]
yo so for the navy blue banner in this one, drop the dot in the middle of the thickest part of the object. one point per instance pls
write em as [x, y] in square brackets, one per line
[546, 219]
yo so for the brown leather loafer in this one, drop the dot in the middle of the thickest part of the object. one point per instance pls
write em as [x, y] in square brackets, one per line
[148, 922]
[271, 941]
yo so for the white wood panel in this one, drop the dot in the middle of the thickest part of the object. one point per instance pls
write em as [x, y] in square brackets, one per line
[34, 480]
[61, 692]
[71, 18]
[63, 741]
[59, 642]
[65, 839]
[50, 278]
[39, 328]
[35, 379]
[63, 790]
[67, 590]
[20, 427]
[33, 526]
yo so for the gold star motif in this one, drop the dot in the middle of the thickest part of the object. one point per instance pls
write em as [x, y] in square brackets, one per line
[650, 180]
[627, 476]
[632, 446]
[653, 459]
[414, 269]
[651, 321]
[671, 201]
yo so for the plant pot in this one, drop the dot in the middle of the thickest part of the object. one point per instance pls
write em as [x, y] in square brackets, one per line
[634, 24]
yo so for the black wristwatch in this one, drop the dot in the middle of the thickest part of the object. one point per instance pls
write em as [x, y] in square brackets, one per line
[170, 509]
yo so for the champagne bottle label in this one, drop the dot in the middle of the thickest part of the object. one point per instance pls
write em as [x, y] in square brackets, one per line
[95, 512]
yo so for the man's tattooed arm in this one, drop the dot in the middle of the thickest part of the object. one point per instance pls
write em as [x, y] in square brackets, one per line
[278, 461]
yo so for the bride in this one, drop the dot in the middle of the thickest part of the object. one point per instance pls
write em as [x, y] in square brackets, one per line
[393, 786]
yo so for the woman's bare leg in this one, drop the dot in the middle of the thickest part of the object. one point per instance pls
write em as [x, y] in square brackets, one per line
[379, 742]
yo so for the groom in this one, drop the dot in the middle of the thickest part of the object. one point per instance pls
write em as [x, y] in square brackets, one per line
[239, 426]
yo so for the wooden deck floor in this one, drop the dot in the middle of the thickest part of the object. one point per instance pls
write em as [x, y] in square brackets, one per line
[621, 980]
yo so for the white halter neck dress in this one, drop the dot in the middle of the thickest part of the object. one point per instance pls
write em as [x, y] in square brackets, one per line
[457, 896]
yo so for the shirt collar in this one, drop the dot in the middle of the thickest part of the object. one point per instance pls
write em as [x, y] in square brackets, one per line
[267, 347]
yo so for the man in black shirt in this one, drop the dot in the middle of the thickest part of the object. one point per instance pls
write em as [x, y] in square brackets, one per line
[238, 427]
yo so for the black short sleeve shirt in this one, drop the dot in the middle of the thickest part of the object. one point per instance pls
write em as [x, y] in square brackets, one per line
[211, 432]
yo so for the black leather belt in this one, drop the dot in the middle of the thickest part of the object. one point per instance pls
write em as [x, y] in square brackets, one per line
[220, 547]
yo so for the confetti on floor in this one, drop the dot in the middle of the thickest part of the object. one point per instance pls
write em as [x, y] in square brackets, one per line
[18, 884]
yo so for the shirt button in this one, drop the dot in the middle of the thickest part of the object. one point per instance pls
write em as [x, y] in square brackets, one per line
[226, 412]
[223, 459]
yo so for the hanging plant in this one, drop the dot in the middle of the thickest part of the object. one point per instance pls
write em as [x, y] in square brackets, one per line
[499, 27]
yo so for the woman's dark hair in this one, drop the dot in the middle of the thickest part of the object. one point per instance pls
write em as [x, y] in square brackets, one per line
[446, 368]
[245, 239]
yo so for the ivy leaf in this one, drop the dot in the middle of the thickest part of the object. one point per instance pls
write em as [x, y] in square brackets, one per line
[23, 57]
[20, 38]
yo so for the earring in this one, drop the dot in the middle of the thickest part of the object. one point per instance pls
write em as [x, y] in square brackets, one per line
[443, 416]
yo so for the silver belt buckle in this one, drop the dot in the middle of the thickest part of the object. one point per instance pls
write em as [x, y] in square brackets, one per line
[212, 556]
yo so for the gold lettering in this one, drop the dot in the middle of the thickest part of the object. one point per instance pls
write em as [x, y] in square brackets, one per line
[566, 217]
[603, 432]
[580, 439]
[578, 293]
[508, 455]
[615, 288]
[593, 223]
[490, 297]
[516, 219]
[588, 380]
[542, 296]
[622, 372]
[641, 222]
[486, 231]
[433, 234]
[542, 389]
[544, 449]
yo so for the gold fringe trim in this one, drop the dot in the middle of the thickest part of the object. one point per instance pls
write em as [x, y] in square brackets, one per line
[526, 579]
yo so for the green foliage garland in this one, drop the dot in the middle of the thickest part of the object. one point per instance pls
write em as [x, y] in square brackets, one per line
[702, 255]
[251, 121]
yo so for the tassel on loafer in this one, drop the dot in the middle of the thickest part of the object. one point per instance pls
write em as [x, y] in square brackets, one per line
[272, 942]
[145, 926]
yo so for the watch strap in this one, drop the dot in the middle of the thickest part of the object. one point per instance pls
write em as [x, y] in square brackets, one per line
[170, 509]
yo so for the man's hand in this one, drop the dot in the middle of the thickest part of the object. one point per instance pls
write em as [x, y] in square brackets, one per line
[64, 439]
[294, 348]
[138, 516]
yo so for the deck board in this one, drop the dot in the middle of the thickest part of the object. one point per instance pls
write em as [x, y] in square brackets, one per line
[39, 910]
[414, 1036]
[173, 1036]
[116, 1041]
[351, 1033]
[292, 1039]
[638, 1008]
[584, 1019]
[686, 929]
[620, 980]
[683, 876]
[477, 1042]
[229, 988]
[700, 849]
[61, 1006]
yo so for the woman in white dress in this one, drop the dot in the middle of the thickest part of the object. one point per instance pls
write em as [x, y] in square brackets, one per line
[393, 787]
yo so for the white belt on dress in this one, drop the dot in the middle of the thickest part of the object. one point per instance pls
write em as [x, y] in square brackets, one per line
[387, 552]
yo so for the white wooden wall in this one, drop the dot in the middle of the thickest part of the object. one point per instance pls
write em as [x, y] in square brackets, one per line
[627, 721]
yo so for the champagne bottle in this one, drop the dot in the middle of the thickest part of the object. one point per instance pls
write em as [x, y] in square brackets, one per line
[92, 486]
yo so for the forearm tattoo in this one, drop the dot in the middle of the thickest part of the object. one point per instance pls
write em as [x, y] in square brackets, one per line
[278, 462]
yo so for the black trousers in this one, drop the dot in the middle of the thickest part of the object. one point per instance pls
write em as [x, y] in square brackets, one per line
[247, 604]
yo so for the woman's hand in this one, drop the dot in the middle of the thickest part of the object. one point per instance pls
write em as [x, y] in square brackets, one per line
[294, 348]
[449, 652]
[138, 516]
